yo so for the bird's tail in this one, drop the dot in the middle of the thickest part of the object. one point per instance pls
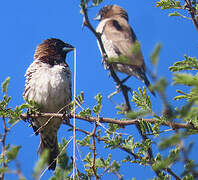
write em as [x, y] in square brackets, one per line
[50, 143]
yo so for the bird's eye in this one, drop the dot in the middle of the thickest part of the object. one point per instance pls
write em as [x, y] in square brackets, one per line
[57, 62]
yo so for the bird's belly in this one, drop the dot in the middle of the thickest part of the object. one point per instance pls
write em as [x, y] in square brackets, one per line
[50, 90]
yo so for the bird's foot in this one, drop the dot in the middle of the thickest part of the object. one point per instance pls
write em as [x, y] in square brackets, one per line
[66, 117]
[113, 93]
[31, 120]
[104, 62]
[123, 87]
[125, 79]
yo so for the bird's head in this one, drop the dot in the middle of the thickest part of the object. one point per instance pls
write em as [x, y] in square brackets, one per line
[52, 51]
[111, 11]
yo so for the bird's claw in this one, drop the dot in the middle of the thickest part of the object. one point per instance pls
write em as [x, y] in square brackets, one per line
[113, 93]
[66, 117]
[31, 121]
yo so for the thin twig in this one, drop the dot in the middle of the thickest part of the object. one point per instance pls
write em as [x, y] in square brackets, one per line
[16, 172]
[118, 175]
[93, 134]
[102, 139]
[3, 141]
[77, 129]
[173, 174]
[186, 159]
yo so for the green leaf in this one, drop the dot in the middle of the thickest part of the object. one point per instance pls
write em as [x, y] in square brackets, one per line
[13, 152]
[160, 85]
[189, 63]
[171, 141]
[32, 105]
[155, 54]
[85, 112]
[120, 60]
[85, 141]
[142, 100]
[135, 52]
[63, 159]
[41, 163]
[166, 162]
[97, 108]
[188, 177]
[136, 49]
[80, 98]
[185, 79]
[5, 84]
[137, 114]
[169, 4]
[58, 174]
[175, 13]
[3, 170]
[97, 2]
[88, 159]
[112, 128]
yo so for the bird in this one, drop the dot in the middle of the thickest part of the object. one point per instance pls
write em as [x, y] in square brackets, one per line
[48, 84]
[119, 40]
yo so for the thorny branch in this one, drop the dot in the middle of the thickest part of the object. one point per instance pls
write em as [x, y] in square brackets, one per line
[192, 12]
[185, 152]
[102, 139]
[110, 120]
[91, 119]
[173, 125]
[93, 134]
[168, 170]
[172, 174]
[3, 146]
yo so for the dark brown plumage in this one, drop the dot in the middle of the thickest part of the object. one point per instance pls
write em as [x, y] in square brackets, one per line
[119, 40]
[48, 83]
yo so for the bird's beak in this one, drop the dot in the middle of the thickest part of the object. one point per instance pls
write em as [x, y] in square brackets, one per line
[97, 18]
[68, 48]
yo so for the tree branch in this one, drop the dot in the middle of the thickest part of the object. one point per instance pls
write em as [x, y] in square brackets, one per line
[91, 119]
[3, 147]
[93, 134]
[192, 12]
[173, 174]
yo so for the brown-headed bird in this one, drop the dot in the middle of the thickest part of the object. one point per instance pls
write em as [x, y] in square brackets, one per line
[48, 83]
[119, 40]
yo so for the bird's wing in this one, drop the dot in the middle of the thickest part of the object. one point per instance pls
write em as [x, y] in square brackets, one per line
[30, 71]
[119, 34]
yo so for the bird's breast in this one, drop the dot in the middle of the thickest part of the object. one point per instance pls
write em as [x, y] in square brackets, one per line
[49, 87]
[107, 43]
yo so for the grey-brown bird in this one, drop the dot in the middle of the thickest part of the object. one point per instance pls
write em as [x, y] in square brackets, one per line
[48, 83]
[119, 40]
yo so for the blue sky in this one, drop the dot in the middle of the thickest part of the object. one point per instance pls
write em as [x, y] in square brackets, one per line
[25, 24]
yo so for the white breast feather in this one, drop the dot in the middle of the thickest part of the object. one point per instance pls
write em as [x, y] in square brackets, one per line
[50, 87]
[108, 44]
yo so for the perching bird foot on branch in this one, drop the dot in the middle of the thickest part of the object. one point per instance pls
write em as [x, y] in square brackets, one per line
[66, 117]
[31, 120]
